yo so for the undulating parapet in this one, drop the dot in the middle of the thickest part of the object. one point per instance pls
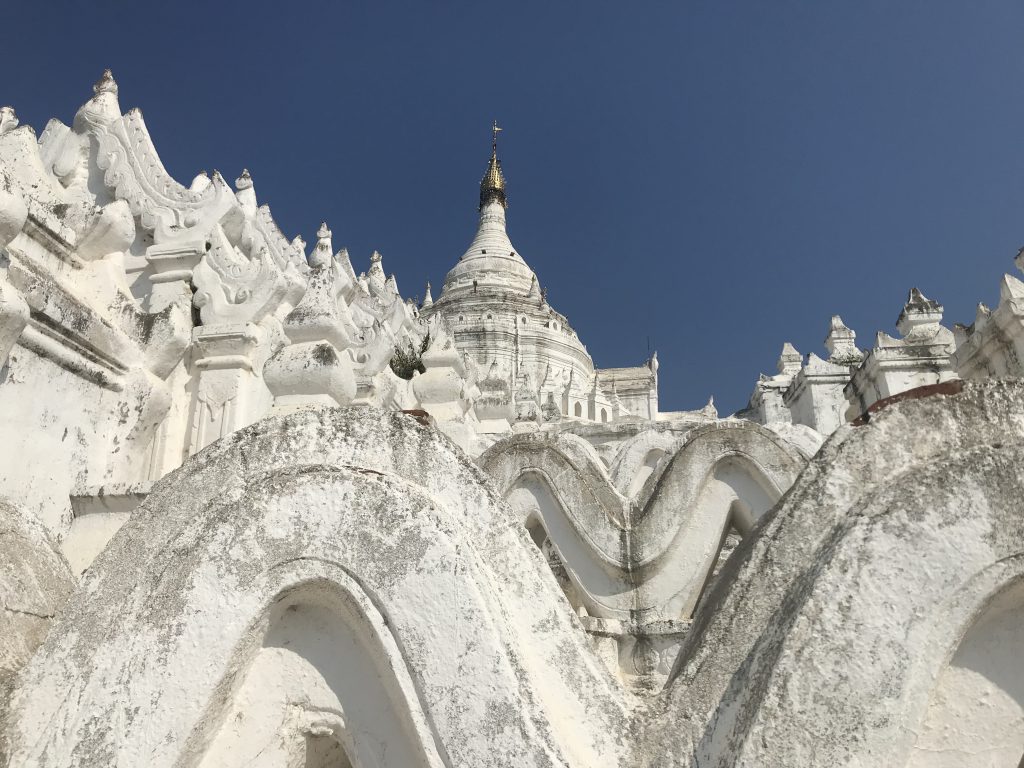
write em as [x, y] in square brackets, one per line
[876, 605]
[635, 555]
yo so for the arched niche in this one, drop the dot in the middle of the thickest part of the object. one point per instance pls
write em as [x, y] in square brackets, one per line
[585, 579]
[735, 494]
[644, 471]
[749, 486]
[539, 536]
[975, 715]
[318, 692]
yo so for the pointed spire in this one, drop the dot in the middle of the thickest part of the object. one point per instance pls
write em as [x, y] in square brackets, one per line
[321, 254]
[919, 312]
[841, 343]
[375, 276]
[103, 107]
[245, 193]
[244, 181]
[789, 360]
[709, 410]
[492, 185]
[346, 263]
[428, 300]
[106, 84]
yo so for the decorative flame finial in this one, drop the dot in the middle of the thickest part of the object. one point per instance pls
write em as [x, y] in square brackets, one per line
[106, 83]
[322, 250]
[244, 181]
[492, 185]
[102, 109]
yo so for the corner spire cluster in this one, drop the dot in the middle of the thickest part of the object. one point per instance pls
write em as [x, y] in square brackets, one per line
[492, 185]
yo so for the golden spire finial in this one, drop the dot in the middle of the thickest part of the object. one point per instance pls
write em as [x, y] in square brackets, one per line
[495, 130]
[492, 185]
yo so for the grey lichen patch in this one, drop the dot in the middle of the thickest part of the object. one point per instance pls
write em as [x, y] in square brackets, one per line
[325, 354]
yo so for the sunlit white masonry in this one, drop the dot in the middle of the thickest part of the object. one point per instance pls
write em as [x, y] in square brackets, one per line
[260, 510]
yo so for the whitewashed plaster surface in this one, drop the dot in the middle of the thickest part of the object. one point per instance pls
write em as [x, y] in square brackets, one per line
[341, 586]
[836, 633]
[35, 582]
[355, 527]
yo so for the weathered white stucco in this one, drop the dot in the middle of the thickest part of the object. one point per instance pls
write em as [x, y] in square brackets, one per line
[257, 509]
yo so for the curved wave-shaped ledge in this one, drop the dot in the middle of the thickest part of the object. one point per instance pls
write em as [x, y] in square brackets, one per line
[336, 583]
[652, 552]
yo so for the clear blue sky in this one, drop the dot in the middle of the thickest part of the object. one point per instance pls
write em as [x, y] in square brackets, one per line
[717, 176]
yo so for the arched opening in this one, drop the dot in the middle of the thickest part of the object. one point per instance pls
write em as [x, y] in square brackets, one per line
[577, 410]
[323, 751]
[735, 496]
[731, 537]
[582, 575]
[644, 471]
[751, 489]
[539, 536]
[318, 693]
[604, 415]
[975, 715]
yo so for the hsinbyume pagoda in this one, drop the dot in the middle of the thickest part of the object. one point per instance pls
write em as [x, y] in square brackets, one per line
[259, 510]
[533, 364]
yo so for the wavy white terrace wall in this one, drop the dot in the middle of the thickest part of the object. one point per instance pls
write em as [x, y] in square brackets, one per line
[635, 567]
